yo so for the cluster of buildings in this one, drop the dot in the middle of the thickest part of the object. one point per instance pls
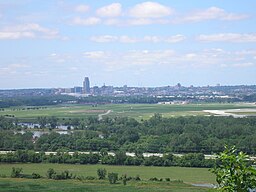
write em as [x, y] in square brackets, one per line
[176, 91]
[84, 90]
[173, 93]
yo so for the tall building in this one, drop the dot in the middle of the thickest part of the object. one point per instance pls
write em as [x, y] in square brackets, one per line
[86, 85]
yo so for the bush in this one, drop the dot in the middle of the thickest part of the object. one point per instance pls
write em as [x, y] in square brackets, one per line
[50, 173]
[16, 172]
[101, 173]
[137, 178]
[112, 177]
[90, 178]
[167, 179]
[62, 175]
[153, 179]
[124, 179]
[36, 176]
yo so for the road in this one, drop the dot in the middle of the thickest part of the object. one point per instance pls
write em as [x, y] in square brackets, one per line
[100, 116]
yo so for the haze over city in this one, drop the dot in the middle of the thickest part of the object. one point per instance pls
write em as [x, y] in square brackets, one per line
[134, 43]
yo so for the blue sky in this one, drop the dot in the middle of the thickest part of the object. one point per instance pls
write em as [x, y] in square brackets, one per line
[135, 43]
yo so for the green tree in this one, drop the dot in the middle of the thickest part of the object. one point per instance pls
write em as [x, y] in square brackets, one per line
[16, 172]
[50, 173]
[233, 171]
[112, 177]
[101, 173]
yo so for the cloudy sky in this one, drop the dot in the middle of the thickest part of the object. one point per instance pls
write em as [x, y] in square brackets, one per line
[55, 43]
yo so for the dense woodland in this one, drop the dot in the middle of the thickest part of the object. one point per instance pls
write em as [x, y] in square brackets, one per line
[156, 135]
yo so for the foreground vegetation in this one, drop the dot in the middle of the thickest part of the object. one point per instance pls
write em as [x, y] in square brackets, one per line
[85, 178]
[187, 175]
[43, 185]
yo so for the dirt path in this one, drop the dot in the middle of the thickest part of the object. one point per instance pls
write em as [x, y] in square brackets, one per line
[100, 116]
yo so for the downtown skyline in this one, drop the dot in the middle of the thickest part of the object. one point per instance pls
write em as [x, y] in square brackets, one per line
[136, 43]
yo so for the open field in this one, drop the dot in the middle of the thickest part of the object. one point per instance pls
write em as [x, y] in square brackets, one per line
[138, 111]
[188, 175]
[44, 185]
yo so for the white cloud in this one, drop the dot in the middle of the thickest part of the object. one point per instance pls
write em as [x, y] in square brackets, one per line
[82, 8]
[31, 30]
[112, 10]
[12, 69]
[175, 38]
[154, 39]
[94, 54]
[243, 65]
[104, 38]
[140, 21]
[228, 37]
[113, 21]
[86, 21]
[150, 10]
[127, 39]
[210, 14]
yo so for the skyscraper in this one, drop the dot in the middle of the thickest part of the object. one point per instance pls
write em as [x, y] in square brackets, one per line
[86, 85]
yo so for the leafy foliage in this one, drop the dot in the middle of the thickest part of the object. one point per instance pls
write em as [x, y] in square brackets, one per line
[233, 171]
[101, 173]
[16, 172]
[112, 177]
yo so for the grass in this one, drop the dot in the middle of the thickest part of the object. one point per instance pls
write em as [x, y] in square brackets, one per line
[43, 185]
[188, 175]
[138, 111]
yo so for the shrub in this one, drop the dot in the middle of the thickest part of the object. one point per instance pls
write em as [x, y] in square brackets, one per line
[50, 173]
[112, 177]
[124, 178]
[153, 179]
[36, 176]
[137, 178]
[16, 172]
[101, 173]
[90, 178]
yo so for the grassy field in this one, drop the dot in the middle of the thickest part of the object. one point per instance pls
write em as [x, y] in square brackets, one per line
[138, 111]
[44, 185]
[188, 175]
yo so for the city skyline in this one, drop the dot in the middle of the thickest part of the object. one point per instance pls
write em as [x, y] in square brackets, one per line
[51, 44]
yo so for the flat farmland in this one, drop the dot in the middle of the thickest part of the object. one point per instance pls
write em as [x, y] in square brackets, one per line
[138, 111]
[188, 175]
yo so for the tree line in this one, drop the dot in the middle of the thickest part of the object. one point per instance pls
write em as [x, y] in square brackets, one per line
[120, 158]
[156, 135]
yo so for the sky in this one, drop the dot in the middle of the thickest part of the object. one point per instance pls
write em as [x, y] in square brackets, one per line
[56, 43]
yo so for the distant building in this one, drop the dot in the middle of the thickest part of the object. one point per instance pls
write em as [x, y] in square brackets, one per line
[86, 85]
[78, 90]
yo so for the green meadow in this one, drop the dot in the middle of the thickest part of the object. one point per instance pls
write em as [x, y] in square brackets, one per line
[187, 175]
[138, 111]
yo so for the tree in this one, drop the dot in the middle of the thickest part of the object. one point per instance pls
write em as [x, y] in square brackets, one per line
[112, 177]
[16, 172]
[101, 173]
[50, 173]
[233, 171]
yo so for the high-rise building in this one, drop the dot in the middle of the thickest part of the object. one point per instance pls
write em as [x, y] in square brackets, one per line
[86, 85]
